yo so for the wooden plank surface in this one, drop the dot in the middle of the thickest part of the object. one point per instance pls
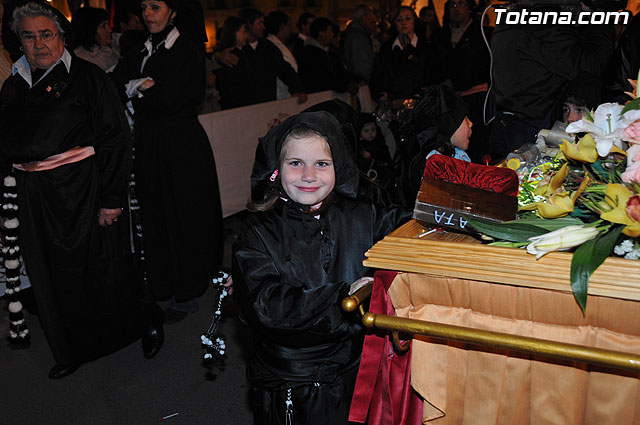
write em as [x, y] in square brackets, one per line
[462, 256]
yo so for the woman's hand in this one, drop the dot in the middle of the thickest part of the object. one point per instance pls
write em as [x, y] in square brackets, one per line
[227, 58]
[107, 216]
[146, 84]
[363, 281]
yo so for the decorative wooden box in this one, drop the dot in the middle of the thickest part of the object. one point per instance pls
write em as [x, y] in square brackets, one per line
[445, 204]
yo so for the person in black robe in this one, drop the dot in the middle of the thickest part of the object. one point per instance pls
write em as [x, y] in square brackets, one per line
[431, 127]
[232, 80]
[316, 69]
[466, 62]
[56, 106]
[532, 66]
[405, 64]
[293, 263]
[266, 62]
[176, 178]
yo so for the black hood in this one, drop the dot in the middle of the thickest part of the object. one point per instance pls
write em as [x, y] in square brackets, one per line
[347, 118]
[269, 147]
[439, 113]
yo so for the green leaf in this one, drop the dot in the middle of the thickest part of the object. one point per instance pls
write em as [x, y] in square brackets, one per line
[581, 272]
[586, 260]
[604, 246]
[510, 231]
[589, 116]
[505, 244]
[549, 224]
[634, 104]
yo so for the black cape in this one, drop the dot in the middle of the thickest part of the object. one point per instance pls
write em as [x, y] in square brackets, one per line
[291, 271]
[175, 171]
[84, 289]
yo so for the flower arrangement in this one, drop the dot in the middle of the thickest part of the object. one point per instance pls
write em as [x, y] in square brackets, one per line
[585, 199]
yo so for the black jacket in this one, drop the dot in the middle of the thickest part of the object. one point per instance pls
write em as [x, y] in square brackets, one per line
[532, 64]
[233, 83]
[266, 64]
[292, 269]
[402, 73]
[318, 73]
[624, 64]
[467, 64]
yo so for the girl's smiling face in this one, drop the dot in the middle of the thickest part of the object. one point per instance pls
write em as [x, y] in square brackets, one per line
[307, 173]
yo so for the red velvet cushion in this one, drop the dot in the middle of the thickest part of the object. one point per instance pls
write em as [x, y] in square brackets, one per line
[485, 177]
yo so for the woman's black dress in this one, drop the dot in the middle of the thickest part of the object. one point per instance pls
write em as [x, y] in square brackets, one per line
[176, 178]
[86, 293]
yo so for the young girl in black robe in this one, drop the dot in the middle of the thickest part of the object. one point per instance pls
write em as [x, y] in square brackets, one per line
[299, 254]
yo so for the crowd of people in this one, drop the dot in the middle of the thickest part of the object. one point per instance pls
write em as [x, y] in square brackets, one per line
[100, 132]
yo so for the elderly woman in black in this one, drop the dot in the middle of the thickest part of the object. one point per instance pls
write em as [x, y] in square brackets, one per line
[175, 171]
[65, 136]
[92, 29]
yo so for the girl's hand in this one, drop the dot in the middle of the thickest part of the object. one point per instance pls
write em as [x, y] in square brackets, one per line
[229, 284]
[106, 216]
[363, 281]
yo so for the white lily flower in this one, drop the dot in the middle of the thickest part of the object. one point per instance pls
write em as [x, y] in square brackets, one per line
[607, 126]
[561, 239]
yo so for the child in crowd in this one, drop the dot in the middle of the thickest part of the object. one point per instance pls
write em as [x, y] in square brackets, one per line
[582, 94]
[299, 254]
[373, 154]
[437, 125]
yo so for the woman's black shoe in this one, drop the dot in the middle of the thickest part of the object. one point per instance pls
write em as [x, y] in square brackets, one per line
[152, 341]
[60, 371]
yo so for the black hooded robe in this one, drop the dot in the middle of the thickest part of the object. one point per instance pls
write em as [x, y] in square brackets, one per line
[291, 271]
[176, 179]
[86, 294]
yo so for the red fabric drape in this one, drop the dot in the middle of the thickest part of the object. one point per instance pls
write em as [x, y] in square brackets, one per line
[485, 177]
[383, 393]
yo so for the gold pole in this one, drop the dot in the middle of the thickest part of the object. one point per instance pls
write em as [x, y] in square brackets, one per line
[355, 300]
[598, 356]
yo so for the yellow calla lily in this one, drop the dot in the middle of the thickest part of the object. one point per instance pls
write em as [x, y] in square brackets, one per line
[615, 149]
[620, 195]
[557, 205]
[583, 186]
[554, 184]
[583, 151]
